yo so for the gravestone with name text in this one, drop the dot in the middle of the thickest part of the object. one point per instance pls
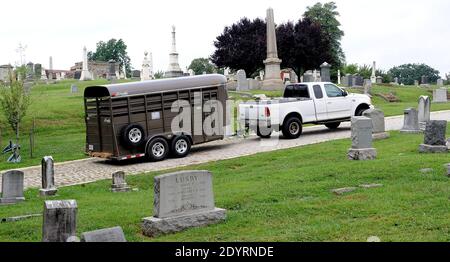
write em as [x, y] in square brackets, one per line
[182, 200]
[12, 187]
[59, 220]
[361, 139]
[48, 177]
[434, 138]
[113, 234]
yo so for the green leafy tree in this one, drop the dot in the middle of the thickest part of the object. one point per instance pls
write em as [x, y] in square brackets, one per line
[350, 69]
[200, 65]
[326, 15]
[408, 73]
[159, 75]
[112, 49]
[14, 102]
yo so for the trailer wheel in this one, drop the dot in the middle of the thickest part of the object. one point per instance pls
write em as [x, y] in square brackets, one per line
[180, 146]
[133, 135]
[157, 149]
[292, 128]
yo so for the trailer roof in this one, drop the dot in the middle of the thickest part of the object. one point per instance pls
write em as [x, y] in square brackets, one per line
[136, 88]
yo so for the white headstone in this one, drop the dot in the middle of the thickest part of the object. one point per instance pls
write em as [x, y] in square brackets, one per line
[12, 187]
[145, 72]
[242, 83]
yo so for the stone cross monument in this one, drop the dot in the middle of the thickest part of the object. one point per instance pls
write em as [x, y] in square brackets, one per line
[174, 69]
[272, 79]
[85, 74]
[373, 78]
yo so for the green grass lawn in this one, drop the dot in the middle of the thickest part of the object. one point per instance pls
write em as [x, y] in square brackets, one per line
[60, 126]
[282, 196]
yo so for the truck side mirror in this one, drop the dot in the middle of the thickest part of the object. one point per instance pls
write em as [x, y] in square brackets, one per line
[344, 93]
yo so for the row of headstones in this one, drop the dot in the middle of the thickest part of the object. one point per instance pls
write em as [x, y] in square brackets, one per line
[244, 83]
[353, 80]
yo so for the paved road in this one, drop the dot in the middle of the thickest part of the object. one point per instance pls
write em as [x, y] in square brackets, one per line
[92, 169]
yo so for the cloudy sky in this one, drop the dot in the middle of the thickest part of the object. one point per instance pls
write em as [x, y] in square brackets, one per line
[392, 32]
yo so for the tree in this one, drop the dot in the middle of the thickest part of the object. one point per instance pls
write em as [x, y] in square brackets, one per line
[326, 15]
[14, 101]
[158, 75]
[113, 49]
[241, 46]
[200, 65]
[408, 73]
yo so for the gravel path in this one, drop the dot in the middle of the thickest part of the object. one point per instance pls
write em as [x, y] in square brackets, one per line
[93, 169]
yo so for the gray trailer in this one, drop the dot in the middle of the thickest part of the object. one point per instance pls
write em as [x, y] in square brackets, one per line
[132, 120]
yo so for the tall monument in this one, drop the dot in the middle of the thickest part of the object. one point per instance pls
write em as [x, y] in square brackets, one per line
[147, 68]
[85, 74]
[272, 78]
[174, 69]
[373, 78]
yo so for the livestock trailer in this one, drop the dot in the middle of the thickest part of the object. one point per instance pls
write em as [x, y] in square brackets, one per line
[132, 120]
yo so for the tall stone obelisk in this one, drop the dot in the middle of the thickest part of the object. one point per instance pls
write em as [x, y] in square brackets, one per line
[85, 74]
[272, 78]
[174, 69]
[373, 78]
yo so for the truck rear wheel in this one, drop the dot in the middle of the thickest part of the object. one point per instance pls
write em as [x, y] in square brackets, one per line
[333, 126]
[180, 146]
[292, 128]
[265, 132]
[157, 149]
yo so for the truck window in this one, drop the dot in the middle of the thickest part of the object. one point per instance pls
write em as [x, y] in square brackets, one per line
[296, 91]
[318, 92]
[333, 91]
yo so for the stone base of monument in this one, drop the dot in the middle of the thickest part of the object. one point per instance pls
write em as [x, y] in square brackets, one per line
[13, 200]
[406, 131]
[48, 192]
[153, 226]
[272, 84]
[379, 136]
[121, 189]
[362, 154]
[423, 148]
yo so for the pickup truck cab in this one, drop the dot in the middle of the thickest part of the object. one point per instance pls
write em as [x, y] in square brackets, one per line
[303, 103]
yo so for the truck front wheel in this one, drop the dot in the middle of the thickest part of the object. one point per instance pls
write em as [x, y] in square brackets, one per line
[292, 128]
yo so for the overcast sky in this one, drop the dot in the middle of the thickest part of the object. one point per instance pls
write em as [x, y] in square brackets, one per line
[391, 32]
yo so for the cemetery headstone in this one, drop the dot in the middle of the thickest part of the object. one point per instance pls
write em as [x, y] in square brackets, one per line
[112, 70]
[440, 82]
[424, 111]
[396, 81]
[410, 121]
[378, 124]
[361, 139]
[416, 82]
[253, 84]
[308, 77]
[339, 76]
[12, 187]
[182, 200]
[434, 139]
[48, 177]
[59, 221]
[119, 183]
[242, 83]
[114, 234]
[440, 95]
[367, 86]
[325, 72]
[359, 81]
[379, 80]
[73, 89]
[424, 80]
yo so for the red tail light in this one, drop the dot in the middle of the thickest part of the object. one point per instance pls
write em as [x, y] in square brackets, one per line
[267, 112]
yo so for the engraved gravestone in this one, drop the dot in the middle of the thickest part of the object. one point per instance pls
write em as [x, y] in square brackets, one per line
[424, 111]
[308, 77]
[440, 95]
[182, 200]
[378, 124]
[114, 234]
[12, 187]
[59, 221]
[118, 182]
[410, 121]
[73, 89]
[434, 139]
[440, 82]
[379, 80]
[361, 139]
[367, 86]
[325, 72]
[48, 177]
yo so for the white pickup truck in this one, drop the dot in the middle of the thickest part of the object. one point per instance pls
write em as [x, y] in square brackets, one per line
[303, 103]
